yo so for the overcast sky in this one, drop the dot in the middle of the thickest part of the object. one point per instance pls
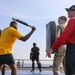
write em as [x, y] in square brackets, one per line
[35, 12]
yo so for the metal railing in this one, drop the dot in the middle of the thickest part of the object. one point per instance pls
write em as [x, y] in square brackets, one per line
[27, 63]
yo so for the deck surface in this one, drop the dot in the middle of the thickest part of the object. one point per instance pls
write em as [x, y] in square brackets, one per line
[27, 72]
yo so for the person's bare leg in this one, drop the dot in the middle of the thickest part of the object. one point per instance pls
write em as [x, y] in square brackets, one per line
[13, 69]
[3, 70]
[1, 67]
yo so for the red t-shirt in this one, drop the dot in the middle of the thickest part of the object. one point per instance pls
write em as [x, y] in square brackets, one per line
[67, 37]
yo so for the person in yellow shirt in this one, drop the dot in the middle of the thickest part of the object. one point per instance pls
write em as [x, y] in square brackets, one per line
[8, 37]
[3, 66]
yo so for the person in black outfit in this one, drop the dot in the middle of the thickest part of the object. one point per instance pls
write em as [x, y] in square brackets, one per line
[34, 55]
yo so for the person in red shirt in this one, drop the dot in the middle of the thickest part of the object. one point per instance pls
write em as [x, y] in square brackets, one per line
[67, 37]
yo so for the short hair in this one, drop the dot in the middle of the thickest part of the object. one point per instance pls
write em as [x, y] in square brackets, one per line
[12, 23]
[0, 30]
[63, 18]
[34, 43]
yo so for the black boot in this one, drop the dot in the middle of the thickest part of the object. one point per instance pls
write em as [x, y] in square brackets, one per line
[39, 66]
[32, 67]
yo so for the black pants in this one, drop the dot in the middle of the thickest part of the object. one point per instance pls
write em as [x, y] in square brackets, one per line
[70, 59]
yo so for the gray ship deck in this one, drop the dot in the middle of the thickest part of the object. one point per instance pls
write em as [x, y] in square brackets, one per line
[36, 72]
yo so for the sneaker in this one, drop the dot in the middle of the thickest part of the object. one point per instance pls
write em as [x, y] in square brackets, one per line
[32, 71]
[40, 70]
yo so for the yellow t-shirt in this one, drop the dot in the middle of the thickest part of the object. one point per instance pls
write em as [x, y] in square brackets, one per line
[8, 36]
